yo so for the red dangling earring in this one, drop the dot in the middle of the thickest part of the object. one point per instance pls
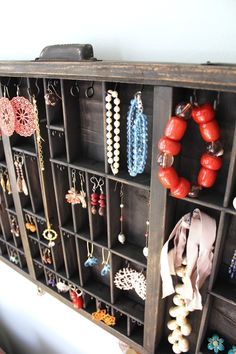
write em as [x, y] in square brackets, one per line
[7, 115]
[25, 122]
[102, 198]
[94, 196]
[76, 299]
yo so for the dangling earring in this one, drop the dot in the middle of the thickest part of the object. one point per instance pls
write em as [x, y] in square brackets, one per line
[73, 197]
[102, 198]
[2, 181]
[232, 267]
[20, 181]
[47, 257]
[121, 236]
[76, 298]
[82, 192]
[7, 115]
[8, 184]
[25, 122]
[94, 196]
[106, 266]
[14, 227]
[91, 260]
[51, 97]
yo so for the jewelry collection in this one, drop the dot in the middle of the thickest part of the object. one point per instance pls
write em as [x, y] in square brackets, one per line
[170, 146]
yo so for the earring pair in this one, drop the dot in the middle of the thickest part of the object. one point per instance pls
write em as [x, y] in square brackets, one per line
[104, 316]
[5, 182]
[30, 225]
[92, 261]
[97, 200]
[73, 196]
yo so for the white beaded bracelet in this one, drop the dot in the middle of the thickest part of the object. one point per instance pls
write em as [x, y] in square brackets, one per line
[113, 133]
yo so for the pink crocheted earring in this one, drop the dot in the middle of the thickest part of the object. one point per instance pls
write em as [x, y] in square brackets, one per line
[7, 115]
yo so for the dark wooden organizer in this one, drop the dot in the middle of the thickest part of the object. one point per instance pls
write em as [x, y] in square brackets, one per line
[74, 134]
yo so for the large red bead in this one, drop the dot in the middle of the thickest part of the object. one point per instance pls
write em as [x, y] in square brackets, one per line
[210, 131]
[169, 146]
[203, 114]
[168, 177]
[175, 128]
[212, 162]
[206, 178]
[182, 189]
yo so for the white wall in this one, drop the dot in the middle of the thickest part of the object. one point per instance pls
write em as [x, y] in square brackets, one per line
[150, 30]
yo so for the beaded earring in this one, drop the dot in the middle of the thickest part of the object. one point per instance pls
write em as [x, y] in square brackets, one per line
[106, 266]
[91, 260]
[20, 180]
[76, 298]
[94, 196]
[137, 136]
[232, 267]
[121, 236]
[7, 115]
[102, 198]
[113, 134]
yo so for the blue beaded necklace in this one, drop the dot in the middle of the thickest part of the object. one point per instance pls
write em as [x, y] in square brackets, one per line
[137, 136]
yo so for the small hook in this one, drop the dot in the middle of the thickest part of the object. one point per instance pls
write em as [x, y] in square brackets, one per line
[74, 90]
[95, 183]
[89, 92]
[51, 88]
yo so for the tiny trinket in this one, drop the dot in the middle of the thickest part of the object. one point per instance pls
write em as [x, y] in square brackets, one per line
[215, 344]
[232, 350]
[14, 257]
[51, 97]
[105, 262]
[121, 236]
[91, 260]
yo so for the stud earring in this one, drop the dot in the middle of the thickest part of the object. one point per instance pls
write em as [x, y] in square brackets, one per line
[121, 236]
[105, 261]
[232, 267]
[76, 298]
[7, 115]
[94, 196]
[8, 184]
[102, 198]
[73, 197]
[91, 260]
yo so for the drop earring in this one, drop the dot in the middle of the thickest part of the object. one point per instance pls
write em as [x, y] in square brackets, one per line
[76, 298]
[2, 181]
[91, 260]
[94, 196]
[51, 97]
[20, 180]
[102, 198]
[8, 183]
[82, 193]
[121, 236]
[14, 227]
[46, 256]
[7, 115]
[105, 261]
[73, 197]
[232, 267]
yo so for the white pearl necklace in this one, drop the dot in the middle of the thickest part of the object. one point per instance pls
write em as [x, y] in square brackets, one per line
[113, 147]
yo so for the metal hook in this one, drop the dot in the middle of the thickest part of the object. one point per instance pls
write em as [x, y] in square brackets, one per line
[74, 90]
[95, 183]
[51, 88]
[89, 92]
[216, 101]
[30, 91]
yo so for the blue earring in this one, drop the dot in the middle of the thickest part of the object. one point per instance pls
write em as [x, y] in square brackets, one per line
[106, 266]
[91, 260]
[232, 350]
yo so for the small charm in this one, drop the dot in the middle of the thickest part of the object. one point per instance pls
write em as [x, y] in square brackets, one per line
[121, 236]
[30, 225]
[98, 315]
[46, 256]
[73, 197]
[94, 196]
[51, 97]
[50, 235]
[102, 198]
[76, 298]
[106, 266]
[232, 267]
[215, 343]
[91, 260]
[62, 287]
[232, 350]
[51, 279]
[14, 257]
[145, 249]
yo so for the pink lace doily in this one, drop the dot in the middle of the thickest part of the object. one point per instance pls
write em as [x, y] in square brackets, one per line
[7, 117]
[25, 123]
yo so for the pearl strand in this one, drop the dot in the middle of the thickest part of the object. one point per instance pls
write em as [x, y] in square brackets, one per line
[113, 148]
[136, 136]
